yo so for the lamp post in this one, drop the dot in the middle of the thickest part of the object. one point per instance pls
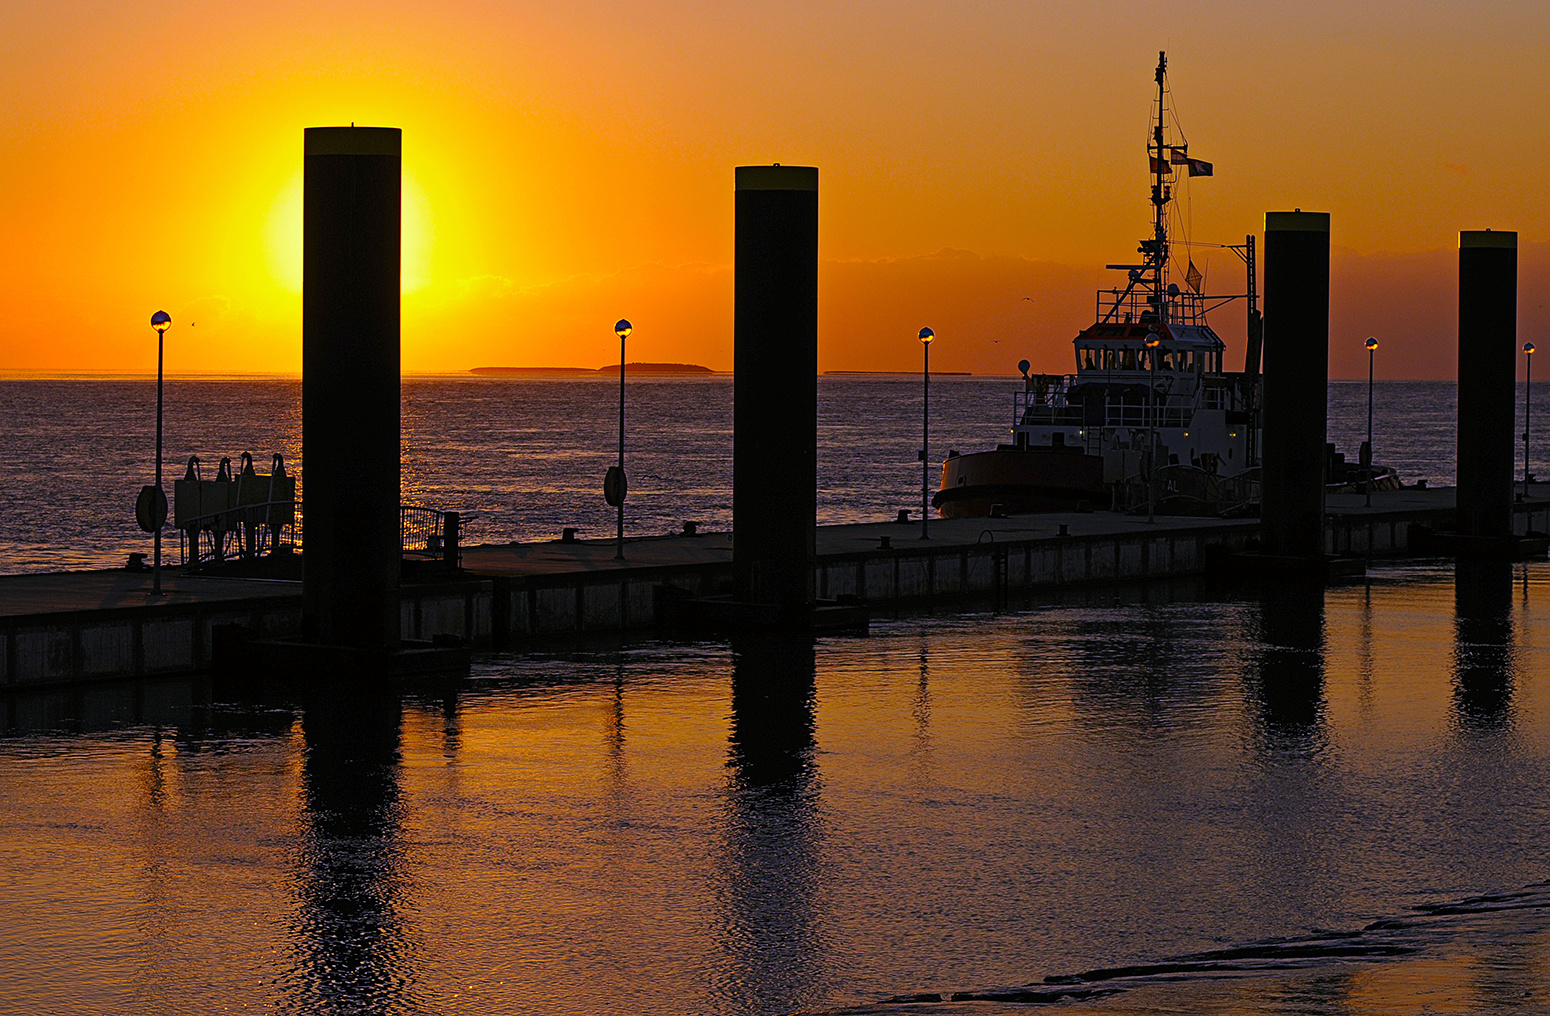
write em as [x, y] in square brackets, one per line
[1152, 342]
[160, 321]
[926, 335]
[1372, 348]
[615, 489]
[1528, 391]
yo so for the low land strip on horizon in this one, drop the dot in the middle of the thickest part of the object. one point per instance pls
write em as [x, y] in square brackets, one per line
[636, 368]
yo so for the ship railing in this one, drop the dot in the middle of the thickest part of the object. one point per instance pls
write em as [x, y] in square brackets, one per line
[1115, 414]
[1040, 413]
[1135, 305]
[1044, 400]
[1187, 490]
[1138, 415]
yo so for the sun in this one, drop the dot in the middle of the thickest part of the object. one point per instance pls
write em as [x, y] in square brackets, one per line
[282, 233]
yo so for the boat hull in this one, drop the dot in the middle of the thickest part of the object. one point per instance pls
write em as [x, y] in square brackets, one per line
[1020, 481]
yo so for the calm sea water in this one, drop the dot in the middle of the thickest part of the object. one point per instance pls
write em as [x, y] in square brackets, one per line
[524, 458]
[1191, 799]
[1327, 803]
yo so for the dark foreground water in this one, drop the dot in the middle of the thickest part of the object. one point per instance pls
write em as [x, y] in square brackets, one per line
[1168, 778]
[523, 458]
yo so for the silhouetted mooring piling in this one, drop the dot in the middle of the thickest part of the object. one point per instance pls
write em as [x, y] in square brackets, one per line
[1488, 334]
[775, 411]
[775, 387]
[1487, 344]
[1296, 355]
[352, 548]
[350, 387]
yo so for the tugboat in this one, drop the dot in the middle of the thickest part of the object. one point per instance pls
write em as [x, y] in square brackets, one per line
[1150, 412]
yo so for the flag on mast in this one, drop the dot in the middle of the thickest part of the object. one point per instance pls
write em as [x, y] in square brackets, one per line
[1179, 156]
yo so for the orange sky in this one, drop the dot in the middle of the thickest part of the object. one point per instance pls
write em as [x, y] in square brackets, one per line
[568, 164]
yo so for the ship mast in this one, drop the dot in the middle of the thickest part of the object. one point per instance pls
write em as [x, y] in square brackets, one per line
[1158, 253]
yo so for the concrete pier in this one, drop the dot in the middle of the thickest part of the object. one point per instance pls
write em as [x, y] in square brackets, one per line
[78, 627]
[1296, 335]
[1488, 333]
[350, 386]
[775, 388]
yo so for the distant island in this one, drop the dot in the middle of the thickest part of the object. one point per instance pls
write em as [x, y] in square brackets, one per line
[629, 368]
[902, 373]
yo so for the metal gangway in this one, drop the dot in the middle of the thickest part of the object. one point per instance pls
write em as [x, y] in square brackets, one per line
[253, 515]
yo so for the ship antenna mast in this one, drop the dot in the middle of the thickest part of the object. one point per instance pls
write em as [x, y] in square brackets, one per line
[1160, 194]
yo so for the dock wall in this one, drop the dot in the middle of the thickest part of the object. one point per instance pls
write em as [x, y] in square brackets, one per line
[996, 570]
[509, 612]
[75, 646]
[939, 573]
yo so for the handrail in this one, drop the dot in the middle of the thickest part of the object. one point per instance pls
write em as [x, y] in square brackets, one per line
[420, 530]
[252, 530]
[245, 530]
[1135, 305]
[255, 506]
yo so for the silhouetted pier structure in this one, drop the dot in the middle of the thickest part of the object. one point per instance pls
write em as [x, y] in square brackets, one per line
[775, 413]
[353, 610]
[351, 240]
[83, 626]
[1296, 355]
[1487, 372]
[775, 388]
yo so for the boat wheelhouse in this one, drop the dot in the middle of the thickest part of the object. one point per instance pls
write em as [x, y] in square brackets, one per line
[1150, 394]
[1124, 388]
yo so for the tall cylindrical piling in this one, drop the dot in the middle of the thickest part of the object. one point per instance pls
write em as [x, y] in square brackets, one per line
[350, 387]
[775, 387]
[1488, 332]
[1296, 337]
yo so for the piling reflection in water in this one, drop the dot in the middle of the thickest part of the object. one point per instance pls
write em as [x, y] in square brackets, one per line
[351, 952]
[920, 709]
[1290, 686]
[997, 798]
[773, 934]
[1484, 659]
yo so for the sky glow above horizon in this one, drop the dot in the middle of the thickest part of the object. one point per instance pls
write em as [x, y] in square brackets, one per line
[566, 165]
